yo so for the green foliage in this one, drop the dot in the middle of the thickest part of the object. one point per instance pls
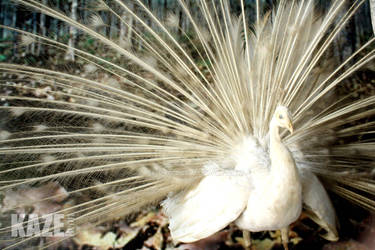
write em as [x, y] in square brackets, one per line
[3, 58]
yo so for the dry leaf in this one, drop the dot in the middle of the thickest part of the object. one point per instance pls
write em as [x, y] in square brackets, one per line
[21, 199]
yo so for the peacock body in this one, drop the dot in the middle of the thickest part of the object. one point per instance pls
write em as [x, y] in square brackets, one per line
[209, 142]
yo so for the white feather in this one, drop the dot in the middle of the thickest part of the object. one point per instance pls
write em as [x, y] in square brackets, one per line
[210, 206]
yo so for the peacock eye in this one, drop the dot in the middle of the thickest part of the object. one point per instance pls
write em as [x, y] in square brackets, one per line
[281, 117]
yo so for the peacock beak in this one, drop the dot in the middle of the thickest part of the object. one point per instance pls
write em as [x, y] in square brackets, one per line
[290, 127]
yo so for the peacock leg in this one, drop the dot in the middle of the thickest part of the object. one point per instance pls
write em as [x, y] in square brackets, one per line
[246, 238]
[285, 237]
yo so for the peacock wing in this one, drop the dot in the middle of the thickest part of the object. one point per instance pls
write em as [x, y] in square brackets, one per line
[317, 204]
[208, 207]
[312, 154]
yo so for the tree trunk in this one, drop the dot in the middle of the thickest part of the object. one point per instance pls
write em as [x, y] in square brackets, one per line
[180, 20]
[14, 36]
[42, 28]
[34, 22]
[165, 9]
[123, 28]
[72, 33]
[2, 17]
[131, 25]
[113, 28]
[372, 8]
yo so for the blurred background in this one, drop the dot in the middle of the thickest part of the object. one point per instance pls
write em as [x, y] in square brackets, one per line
[88, 11]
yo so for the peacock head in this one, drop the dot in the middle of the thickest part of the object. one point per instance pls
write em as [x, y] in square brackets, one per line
[283, 118]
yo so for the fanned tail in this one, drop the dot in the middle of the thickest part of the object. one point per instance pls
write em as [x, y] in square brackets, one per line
[154, 119]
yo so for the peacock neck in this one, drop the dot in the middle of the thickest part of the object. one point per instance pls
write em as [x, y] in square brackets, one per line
[279, 154]
[275, 140]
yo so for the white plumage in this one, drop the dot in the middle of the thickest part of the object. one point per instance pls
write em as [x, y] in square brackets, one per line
[263, 192]
[276, 200]
[208, 207]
